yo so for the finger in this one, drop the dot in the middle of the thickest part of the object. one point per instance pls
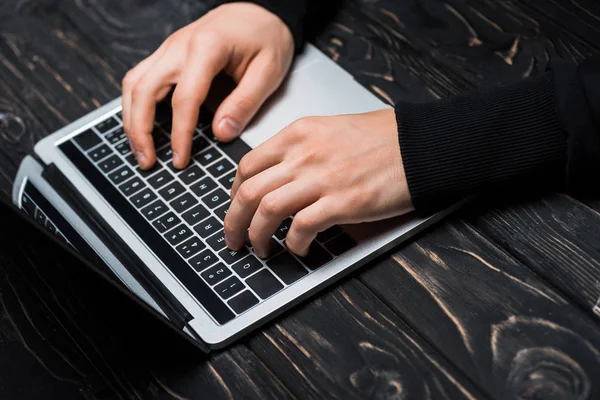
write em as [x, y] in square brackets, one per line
[192, 88]
[259, 81]
[152, 87]
[274, 207]
[269, 153]
[131, 78]
[244, 205]
[309, 222]
[258, 160]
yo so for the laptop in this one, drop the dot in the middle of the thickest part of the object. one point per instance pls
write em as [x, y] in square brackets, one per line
[159, 233]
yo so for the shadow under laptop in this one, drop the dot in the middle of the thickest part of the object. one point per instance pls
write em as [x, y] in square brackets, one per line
[79, 327]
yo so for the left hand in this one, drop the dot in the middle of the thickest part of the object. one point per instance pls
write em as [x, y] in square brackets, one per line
[325, 171]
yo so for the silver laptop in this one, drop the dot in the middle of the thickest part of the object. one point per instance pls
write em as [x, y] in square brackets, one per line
[160, 232]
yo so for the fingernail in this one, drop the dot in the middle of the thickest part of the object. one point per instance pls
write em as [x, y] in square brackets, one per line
[175, 159]
[260, 253]
[228, 128]
[141, 158]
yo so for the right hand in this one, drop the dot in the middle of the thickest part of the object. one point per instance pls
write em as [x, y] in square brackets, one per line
[248, 42]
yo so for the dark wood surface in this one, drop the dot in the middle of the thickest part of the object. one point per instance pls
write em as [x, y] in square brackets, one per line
[496, 302]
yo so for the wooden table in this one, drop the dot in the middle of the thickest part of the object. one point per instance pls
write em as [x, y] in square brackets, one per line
[496, 302]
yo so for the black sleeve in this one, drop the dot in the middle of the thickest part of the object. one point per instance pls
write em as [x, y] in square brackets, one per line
[540, 134]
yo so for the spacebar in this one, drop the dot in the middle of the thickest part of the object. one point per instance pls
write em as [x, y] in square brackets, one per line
[169, 257]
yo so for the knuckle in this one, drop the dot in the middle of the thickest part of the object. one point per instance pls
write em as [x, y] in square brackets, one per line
[246, 193]
[139, 90]
[270, 205]
[205, 40]
[305, 125]
[245, 167]
[227, 227]
[303, 224]
[128, 80]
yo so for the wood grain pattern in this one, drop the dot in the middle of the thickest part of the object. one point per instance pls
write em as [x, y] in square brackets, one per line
[490, 316]
[556, 237]
[479, 307]
[346, 344]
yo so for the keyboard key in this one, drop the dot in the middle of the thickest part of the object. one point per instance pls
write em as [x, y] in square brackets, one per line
[317, 257]
[123, 148]
[131, 160]
[172, 168]
[132, 186]
[119, 115]
[205, 119]
[99, 153]
[120, 175]
[178, 234]
[220, 167]
[287, 268]
[243, 302]
[183, 202]
[340, 244]
[116, 136]
[165, 154]
[215, 198]
[217, 242]
[166, 222]
[143, 198]
[264, 284]
[203, 260]
[208, 156]
[163, 113]
[28, 205]
[222, 211]
[110, 163]
[216, 274]
[276, 248]
[50, 226]
[40, 218]
[195, 215]
[159, 180]
[190, 247]
[227, 180]
[231, 256]
[146, 173]
[87, 139]
[203, 187]
[329, 233]
[171, 191]
[107, 125]
[208, 227]
[229, 288]
[199, 144]
[154, 210]
[283, 229]
[235, 149]
[160, 139]
[247, 266]
[191, 174]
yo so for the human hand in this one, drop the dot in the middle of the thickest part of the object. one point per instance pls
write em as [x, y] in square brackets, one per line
[248, 42]
[325, 170]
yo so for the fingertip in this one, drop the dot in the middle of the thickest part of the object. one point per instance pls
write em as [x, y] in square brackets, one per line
[227, 129]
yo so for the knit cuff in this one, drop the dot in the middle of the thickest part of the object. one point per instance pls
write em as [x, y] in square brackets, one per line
[499, 139]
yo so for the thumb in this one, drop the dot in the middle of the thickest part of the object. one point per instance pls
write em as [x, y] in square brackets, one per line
[236, 111]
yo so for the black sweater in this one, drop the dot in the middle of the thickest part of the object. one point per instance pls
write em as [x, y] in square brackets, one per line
[538, 134]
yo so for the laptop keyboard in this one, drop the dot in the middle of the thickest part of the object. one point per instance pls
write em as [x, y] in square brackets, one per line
[34, 210]
[180, 214]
